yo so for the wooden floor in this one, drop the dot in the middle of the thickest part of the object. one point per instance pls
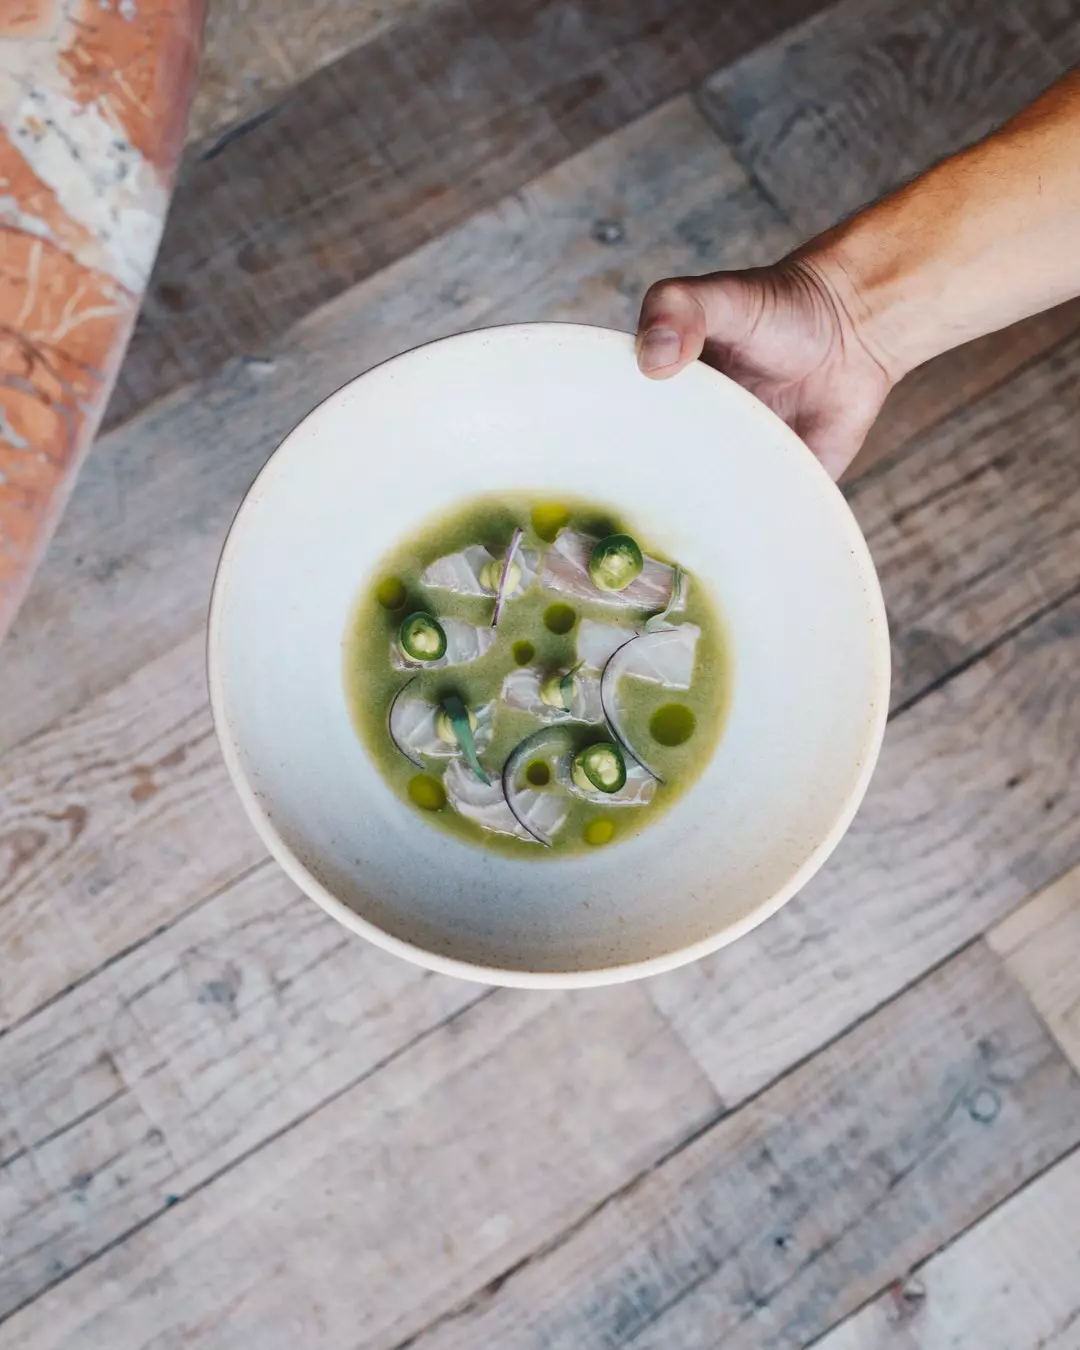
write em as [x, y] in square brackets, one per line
[223, 1122]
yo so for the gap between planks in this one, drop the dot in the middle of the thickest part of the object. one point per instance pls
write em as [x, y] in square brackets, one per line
[253, 54]
[123, 545]
[1040, 946]
[954, 1088]
[116, 553]
[1007, 1283]
[136, 550]
[1036, 395]
[127, 798]
[786, 972]
[401, 139]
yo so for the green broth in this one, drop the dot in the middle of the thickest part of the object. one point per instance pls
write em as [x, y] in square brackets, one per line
[371, 681]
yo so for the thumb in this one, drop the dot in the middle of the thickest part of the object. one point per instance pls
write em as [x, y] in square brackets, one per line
[671, 329]
[677, 317]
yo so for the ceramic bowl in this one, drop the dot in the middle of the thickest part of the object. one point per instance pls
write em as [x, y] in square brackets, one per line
[709, 475]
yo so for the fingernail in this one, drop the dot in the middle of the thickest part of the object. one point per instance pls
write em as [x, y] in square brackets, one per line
[659, 348]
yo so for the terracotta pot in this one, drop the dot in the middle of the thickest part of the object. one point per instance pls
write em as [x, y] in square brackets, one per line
[94, 99]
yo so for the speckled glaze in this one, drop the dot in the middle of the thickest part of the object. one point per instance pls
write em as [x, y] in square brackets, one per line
[94, 97]
[706, 474]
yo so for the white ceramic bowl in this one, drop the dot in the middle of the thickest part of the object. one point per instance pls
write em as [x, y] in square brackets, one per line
[706, 472]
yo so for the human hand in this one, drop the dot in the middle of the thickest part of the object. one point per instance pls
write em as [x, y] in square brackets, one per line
[793, 334]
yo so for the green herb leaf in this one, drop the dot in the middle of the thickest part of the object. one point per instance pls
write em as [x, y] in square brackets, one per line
[459, 720]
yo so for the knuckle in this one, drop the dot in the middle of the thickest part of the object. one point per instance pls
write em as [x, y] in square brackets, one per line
[671, 291]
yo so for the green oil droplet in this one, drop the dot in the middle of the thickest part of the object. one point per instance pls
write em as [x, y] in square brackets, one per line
[559, 619]
[391, 593]
[538, 773]
[548, 518]
[673, 724]
[523, 652]
[600, 831]
[427, 793]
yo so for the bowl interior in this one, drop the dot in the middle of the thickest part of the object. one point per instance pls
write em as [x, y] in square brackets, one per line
[706, 473]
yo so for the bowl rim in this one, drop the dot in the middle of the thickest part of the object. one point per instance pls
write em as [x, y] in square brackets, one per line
[514, 977]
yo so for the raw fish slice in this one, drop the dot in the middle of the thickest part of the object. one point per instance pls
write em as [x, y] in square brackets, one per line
[487, 806]
[638, 790]
[566, 570]
[412, 726]
[529, 561]
[666, 658]
[597, 643]
[464, 642]
[460, 572]
[521, 691]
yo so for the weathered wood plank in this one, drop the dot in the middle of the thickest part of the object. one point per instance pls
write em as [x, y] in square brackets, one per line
[961, 564]
[951, 529]
[358, 1226]
[254, 52]
[974, 805]
[976, 802]
[110, 826]
[1040, 945]
[135, 553]
[936, 390]
[401, 139]
[870, 92]
[1007, 467]
[114, 558]
[182, 1057]
[790, 1213]
[1009, 1284]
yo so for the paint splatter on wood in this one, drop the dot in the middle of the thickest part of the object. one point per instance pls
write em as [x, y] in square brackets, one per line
[93, 101]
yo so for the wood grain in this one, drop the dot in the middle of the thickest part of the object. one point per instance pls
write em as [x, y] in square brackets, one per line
[870, 92]
[1040, 945]
[249, 1129]
[663, 195]
[1009, 1284]
[961, 564]
[992, 486]
[181, 1058]
[976, 529]
[254, 52]
[972, 808]
[490, 1136]
[108, 825]
[135, 554]
[401, 139]
[975, 804]
[787, 1215]
[936, 390]
[857, 100]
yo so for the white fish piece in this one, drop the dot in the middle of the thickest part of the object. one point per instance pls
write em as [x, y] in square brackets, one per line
[638, 790]
[412, 725]
[464, 642]
[521, 691]
[546, 812]
[665, 656]
[460, 572]
[566, 570]
[597, 642]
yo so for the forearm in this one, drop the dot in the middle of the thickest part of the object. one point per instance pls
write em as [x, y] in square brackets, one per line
[982, 240]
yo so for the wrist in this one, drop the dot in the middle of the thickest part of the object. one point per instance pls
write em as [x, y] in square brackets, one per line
[883, 287]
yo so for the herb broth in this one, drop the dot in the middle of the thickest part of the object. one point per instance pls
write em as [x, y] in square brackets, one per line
[372, 682]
